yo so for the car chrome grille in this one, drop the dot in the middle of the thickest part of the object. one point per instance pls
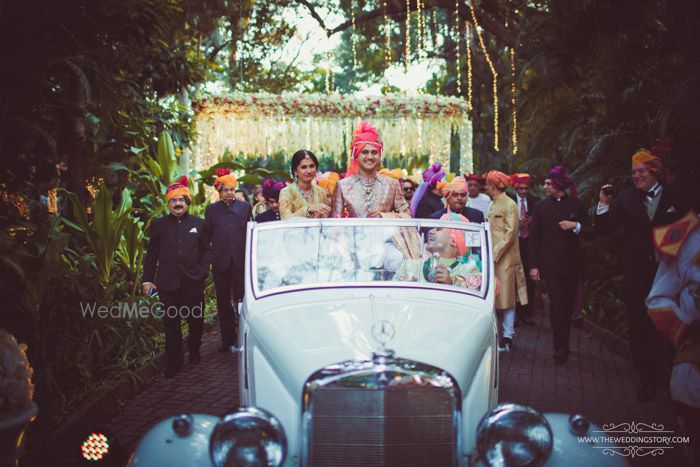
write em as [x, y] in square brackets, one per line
[402, 426]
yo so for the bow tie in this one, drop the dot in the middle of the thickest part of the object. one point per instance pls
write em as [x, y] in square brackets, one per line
[651, 193]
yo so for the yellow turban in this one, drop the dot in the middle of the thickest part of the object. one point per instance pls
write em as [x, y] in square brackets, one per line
[396, 173]
[224, 177]
[178, 188]
[328, 181]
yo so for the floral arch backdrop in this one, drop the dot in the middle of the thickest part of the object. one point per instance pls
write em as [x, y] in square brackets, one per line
[260, 125]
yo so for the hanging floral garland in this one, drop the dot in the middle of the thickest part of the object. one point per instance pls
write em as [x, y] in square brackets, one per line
[259, 125]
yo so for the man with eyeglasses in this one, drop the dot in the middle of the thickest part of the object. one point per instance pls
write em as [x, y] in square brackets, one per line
[409, 187]
[175, 266]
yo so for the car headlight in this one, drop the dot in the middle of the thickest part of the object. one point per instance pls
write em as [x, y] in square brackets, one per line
[248, 437]
[512, 434]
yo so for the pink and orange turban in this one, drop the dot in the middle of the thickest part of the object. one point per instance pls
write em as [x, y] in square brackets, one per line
[271, 188]
[498, 179]
[224, 177]
[364, 133]
[520, 178]
[559, 178]
[178, 188]
[457, 184]
[456, 234]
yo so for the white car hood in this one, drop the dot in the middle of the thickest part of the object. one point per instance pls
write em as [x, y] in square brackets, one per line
[297, 340]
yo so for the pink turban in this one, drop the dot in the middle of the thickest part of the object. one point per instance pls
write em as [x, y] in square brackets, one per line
[498, 179]
[520, 178]
[365, 133]
[456, 234]
[271, 188]
[559, 178]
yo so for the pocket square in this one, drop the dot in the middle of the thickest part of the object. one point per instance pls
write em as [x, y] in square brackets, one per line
[671, 209]
[193, 230]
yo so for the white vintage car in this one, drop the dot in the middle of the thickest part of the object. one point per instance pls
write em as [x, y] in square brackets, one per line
[369, 342]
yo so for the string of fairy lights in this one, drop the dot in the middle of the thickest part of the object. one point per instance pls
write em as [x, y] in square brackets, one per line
[494, 74]
[387, 30]
[407, 58]
[469, 65]
[458, 38]
[424, 36]
[354, 35]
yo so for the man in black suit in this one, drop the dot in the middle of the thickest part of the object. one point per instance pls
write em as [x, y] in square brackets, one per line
[225, 223]
[526, 202]
[650, 203]
[455, 194]
[176, 265]
[554, 252]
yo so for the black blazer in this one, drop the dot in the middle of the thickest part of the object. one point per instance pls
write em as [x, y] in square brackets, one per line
[557, 252]
[226, 230]
[267, 216]
[177, 254]
[629, 212]
[428, 205]
[474, 215]
[531, 201]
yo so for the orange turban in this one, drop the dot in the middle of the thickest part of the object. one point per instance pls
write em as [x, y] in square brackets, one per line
[364, 133]
[178, 188]
[457, 184]
[642, 156]
[498, 179]
[520, 178]
[224, 177]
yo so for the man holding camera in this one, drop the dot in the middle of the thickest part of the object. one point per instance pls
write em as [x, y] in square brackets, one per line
[650, 203]
[175, 266]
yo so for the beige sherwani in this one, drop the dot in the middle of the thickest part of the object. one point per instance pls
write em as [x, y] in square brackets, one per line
[503, 219]
[356, 199]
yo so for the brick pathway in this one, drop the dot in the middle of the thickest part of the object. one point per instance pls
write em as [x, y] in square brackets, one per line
[595, 382]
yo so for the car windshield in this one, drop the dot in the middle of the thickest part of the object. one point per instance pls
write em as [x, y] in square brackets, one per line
[295, 255]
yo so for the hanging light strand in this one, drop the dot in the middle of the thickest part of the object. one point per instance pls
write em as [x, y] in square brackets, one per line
[408, 34]
[354, 35]
[458, 58]
[493, 73]
[435, 29]
[469, 65]
[513, 101]
[328, 57]
[387, 27]
[421, 28]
